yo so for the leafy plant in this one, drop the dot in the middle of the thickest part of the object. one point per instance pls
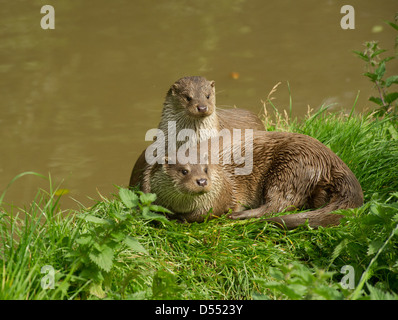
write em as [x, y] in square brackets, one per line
[367, 241]
[104, 237]
[296, 281]
[374, 238]
[165, 286]
[376, 69]
[141, 203]
[395, 26]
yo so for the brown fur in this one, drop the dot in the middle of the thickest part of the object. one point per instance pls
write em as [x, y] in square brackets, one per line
[290, 171]
[181, 193]
[191, 102]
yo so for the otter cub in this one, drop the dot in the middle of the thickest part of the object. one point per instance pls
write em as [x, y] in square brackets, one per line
[289, 171]
[191, 103]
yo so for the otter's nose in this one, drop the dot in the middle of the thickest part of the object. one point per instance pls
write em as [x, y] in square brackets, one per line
[201, 182]
[202, 108]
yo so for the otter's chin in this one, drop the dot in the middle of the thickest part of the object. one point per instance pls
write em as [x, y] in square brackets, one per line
[202, 192]
[195, 192]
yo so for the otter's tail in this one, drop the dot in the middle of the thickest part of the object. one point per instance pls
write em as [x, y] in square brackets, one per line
[348, 194]
[322, 217]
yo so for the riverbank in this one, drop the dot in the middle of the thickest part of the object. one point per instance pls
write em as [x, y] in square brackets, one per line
[120, 249]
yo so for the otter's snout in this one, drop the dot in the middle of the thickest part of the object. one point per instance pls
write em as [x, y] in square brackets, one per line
[202, 108]
[201, 182]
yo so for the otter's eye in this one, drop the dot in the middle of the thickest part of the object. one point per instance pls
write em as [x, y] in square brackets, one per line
[188, 98]
[184, 172]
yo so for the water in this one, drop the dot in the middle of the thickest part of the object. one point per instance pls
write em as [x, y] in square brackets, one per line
[76, 101]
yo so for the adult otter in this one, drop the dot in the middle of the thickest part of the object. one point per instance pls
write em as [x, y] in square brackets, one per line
[290, 171]
[191, 103]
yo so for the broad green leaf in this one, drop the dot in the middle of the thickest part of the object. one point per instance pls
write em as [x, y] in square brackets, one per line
[378, 294]
[386, 59]
[371, 76]
[92, 272]
[377, 52]
[120, 216]
[135, 244]
[376, 100]
[393, 132]
[93, 219]
[147, 198]
[339, 248]
[292, 291]
[102, 256]
[165, 286]
[84, 239]
[276, 273]
[327, 292]
[118, 235]
[374, 246]
[258, 296]
[380, 70]
[156, 208]
[362, 55]
[147, 214]
[96, 290]
[391, 97]
[129, 198]
[391, 80]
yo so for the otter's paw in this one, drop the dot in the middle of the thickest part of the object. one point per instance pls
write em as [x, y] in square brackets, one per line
[247, 214]
[242, 215]
[237, 215]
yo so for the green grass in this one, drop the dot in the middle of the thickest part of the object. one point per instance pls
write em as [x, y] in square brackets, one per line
[121, 249]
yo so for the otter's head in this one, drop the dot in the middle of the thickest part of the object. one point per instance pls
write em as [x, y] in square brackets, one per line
[193, 179]
[194, 95]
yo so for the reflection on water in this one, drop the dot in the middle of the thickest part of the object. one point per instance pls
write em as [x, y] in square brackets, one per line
[76, 101]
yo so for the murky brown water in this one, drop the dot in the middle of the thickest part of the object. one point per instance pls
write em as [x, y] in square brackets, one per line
[76, 101]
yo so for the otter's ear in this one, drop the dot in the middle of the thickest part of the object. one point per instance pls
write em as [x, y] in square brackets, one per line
[174, 88]
[212, 83]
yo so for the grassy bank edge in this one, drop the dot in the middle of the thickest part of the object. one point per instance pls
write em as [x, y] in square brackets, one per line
[121, 249]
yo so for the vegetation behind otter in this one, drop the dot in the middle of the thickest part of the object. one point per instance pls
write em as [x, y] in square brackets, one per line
[121, 249]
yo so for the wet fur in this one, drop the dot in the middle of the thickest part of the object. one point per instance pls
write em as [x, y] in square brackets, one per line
[298, 172]
[174, 193]
[177, 108]
[290, 171]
